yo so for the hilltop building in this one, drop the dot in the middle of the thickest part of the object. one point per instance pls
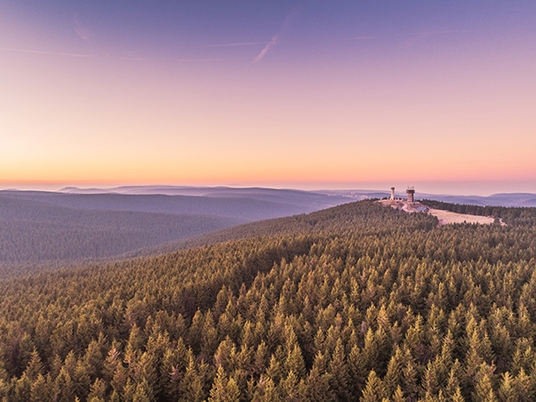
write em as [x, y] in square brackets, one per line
[410, 191]
[392, 193]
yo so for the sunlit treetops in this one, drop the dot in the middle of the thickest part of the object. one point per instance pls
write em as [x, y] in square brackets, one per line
[355, 302]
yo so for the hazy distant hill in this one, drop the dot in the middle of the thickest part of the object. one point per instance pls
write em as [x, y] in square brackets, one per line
[322, 197]
[37, 226]
[248, 204]
[34, 231]
[502, 199]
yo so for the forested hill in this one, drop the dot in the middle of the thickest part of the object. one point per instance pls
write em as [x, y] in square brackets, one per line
[37, 232]
[39, 228]
[332, 220]
[371, 303]
[239, 204]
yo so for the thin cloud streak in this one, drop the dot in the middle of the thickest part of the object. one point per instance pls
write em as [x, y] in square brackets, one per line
[201, 60]
[83, 31]
[351, 39]
[275, 39]
[427, 33]
[264, 51]
[47, 53]
[412, 39]
[134, 58]
[237, 44]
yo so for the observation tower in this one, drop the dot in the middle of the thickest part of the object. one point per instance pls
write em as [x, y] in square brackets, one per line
[410, 191]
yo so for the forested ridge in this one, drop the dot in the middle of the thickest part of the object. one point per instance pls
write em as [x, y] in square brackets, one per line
[40, 230]
[35, 232]
[357, 302]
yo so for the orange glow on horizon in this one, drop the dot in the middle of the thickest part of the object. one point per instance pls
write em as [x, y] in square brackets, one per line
[384, 112]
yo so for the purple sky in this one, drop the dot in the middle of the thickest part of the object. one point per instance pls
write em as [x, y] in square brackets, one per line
[303, 94]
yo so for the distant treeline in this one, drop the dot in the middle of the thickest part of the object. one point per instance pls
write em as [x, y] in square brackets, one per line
[518, 216]
[99, 234]
[34, 233]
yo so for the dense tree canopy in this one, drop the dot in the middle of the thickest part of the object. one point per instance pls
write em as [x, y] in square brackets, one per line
[358, 302]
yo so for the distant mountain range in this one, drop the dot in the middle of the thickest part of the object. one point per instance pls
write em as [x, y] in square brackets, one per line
[336, 197]
[503, 199]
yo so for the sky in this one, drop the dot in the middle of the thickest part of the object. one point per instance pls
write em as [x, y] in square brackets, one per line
[343, 94]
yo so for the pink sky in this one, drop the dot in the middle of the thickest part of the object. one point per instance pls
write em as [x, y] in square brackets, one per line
[294, 105]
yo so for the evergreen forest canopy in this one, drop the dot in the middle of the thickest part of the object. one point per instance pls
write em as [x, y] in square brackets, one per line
[357, 302]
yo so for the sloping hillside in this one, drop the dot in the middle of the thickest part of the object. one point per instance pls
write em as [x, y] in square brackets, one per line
[316, 222]
[358, 302]
[33, 231]
[38, 227]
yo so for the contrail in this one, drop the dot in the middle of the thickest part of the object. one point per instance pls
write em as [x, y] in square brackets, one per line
[266, 49]
[82, 31]
[275, 39]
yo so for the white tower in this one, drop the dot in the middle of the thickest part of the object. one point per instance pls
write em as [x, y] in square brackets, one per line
[392, 193]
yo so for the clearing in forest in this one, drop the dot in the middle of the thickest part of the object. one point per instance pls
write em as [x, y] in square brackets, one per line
[444, 217]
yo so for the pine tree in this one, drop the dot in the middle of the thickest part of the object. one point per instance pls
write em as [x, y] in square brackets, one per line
[371, 353]
[22, 388]
[357, 370]
[318, 386]
[398, 395]
[292, 388]
[374, 390]
[225, 353]
[81, 379]
[224, 389]
[209, 340]
[143, 392]
[410, 376]
[260, 360]
[484, 385]
[524, 387]
[294, 361]
[39, 390]
[266, 391]
[431, 379]
[191, 386]
[97, 391]
[507, 392]
[454, 379]
[35, 367]
[515, 388]
[339, 373]
[457, 396]
[274, 371]
[93, 357]
[394, 376]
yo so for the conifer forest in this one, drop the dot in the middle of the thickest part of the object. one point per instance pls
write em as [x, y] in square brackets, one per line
[358, 302]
